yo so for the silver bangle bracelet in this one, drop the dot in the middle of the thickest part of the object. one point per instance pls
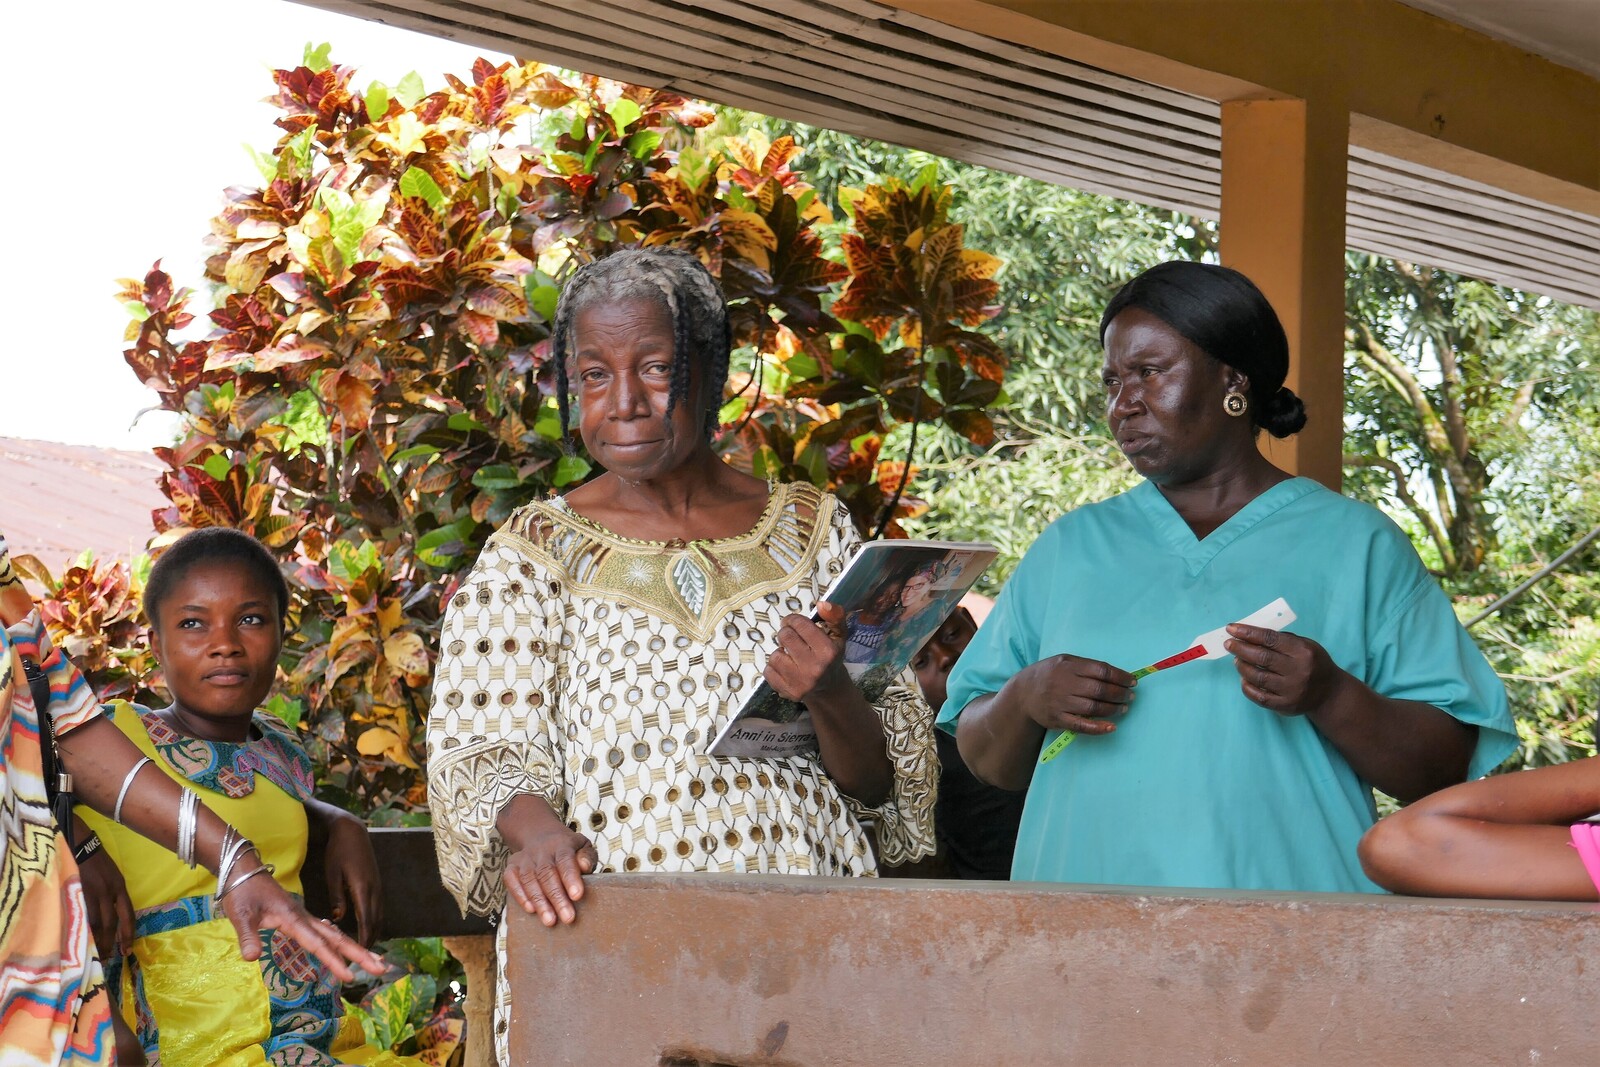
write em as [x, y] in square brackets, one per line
[188, 817]
[265, 868]
[127, 781]
[234, 846]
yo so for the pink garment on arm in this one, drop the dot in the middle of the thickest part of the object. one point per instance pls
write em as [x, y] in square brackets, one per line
[1586, 839]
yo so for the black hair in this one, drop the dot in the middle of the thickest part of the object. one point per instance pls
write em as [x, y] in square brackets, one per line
[1223, 313]
[212, 544]
[677, 280]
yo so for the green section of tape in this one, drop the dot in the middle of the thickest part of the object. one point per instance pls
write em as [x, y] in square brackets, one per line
[1062, 740]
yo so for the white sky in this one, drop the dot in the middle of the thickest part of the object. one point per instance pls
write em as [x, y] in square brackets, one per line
[127, 124]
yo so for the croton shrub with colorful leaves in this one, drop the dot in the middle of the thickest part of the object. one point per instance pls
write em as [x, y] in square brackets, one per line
[373, 395]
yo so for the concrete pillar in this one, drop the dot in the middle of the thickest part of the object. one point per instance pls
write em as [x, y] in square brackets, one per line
[476, 954]
[1283, 190]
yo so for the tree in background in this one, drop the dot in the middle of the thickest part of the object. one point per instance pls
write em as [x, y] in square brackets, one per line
[1473, 416]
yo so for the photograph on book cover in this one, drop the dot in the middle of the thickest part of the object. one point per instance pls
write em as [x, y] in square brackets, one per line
[894, 594]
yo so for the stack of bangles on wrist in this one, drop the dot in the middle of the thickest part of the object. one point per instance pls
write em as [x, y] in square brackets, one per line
[234, 846]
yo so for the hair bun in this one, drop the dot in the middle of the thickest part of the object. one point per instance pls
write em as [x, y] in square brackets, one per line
[1284, 414]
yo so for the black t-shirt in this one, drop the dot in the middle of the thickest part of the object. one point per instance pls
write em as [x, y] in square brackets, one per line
[976, 824]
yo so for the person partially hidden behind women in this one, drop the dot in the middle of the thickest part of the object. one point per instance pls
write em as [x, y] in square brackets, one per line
[975, 823]
[604, 637]
[1533, 835]
[1253, 771]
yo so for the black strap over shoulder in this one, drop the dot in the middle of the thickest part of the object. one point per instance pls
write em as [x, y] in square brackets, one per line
[57, 782]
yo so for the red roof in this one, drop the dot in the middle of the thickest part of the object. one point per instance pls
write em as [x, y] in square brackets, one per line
[57, 500]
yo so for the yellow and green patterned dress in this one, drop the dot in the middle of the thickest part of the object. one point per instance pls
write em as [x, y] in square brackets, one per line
[53, 1008]
[183, 987]
[592, 669]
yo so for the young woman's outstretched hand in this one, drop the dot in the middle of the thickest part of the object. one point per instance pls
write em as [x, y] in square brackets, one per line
[261, 904]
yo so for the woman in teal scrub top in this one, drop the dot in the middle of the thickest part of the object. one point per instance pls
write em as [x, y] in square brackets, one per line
[1253, 771]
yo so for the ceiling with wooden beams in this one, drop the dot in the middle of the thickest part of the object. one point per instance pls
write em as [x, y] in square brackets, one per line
[875, 71]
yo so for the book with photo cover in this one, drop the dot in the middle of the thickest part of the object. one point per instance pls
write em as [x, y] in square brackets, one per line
[894, 595]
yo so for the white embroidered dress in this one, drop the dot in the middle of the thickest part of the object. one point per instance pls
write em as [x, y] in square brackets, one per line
[592, 669]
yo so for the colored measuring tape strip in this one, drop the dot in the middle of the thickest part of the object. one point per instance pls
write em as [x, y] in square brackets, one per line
[1172, 661]
[1066, 737]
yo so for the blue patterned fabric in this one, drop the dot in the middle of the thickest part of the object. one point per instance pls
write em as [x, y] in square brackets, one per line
[231, 769]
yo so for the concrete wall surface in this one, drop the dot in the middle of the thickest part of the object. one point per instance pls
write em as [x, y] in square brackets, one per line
[737, 971]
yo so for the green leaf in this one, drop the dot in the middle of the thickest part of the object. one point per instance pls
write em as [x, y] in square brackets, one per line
[412, 453]
[765, 463]
[266, 164]
[425, 954]
[548, 424]
[349, 562]
[496, 476]
[136, 309]
[439, 548]
[304, 420]
[410, 90]
[644, 143]
[298, 150]
[927, 177]
[580, 127]
[570, 469]
[848, 198]
[418, 182]
[733, 410]
[465, 423]
[624, 113]
[507, 202]
[815, 462]
[285, 708]
[348, 222]
[217, 465]
[391, 1012]
[377, 101]
[316, 57]
[369, 1026]
[542, 298]
[801, 365]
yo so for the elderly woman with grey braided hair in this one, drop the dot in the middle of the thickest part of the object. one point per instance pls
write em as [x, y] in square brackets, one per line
[604, 637]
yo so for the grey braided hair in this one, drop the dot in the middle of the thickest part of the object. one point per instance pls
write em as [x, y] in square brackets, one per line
[674, 278]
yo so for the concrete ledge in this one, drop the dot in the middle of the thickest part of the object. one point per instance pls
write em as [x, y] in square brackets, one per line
[736, 971]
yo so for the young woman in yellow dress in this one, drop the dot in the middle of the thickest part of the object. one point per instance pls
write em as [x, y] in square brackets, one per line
[216, 603]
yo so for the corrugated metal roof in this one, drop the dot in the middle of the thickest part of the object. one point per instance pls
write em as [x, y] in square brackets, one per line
[57, 500]
[876, 71]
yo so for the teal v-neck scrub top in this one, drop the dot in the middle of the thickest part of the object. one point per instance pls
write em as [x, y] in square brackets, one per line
[1199, 787]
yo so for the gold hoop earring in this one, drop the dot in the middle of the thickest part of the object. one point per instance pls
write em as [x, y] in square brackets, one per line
[1235, 403]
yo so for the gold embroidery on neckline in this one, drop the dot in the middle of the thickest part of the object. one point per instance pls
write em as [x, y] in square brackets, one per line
[694, 584]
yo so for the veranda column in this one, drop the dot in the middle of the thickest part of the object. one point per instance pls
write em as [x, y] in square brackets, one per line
[1283, 196]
